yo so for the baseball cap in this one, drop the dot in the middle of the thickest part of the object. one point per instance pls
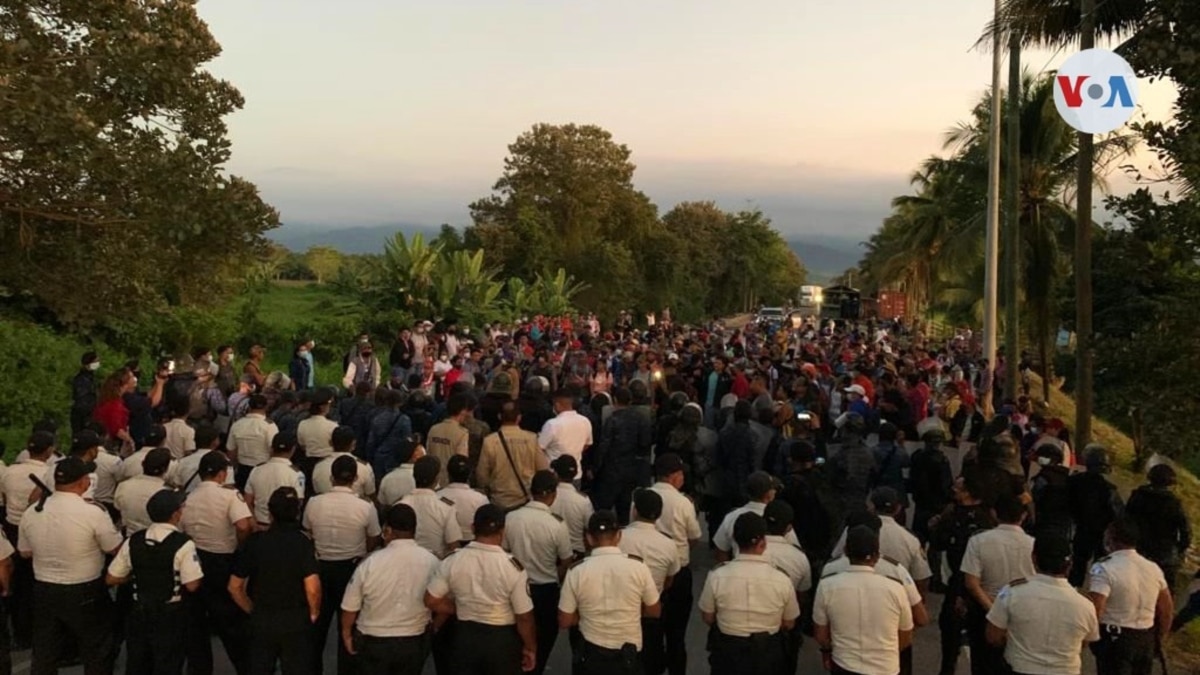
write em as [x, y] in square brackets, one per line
[156, 461]
[71, 469]
[39, 442]
[489, 519]
[163, 504]
[322, 397]
[344, 468]
[284, 440]
[1052, 552]
[342, 435]
[758, 484]
[778, 514]
[649, 504]
[749, 529]
[861, 542]
[667, 464]
[863, 517]
[856, 389]
[603, 522]
[565, 467]
[885, 500]
[544, 482]
[213, 463]
[85, 440]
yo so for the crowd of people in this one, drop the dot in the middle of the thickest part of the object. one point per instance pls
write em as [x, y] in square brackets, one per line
[482, 490]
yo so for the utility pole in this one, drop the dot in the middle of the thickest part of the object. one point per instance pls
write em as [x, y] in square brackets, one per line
[1012, 222]
[1083, 261]
[992, 239]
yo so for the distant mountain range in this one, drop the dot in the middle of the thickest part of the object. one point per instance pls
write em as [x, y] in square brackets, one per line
[825, 256]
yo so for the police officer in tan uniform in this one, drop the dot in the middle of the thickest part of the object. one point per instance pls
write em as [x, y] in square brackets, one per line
[385, 622]
[277, 472]
[751, 603]
[539, 538]
[437, 521]
[642, 539]
[343, 440]
[861, 619]
[606, 595]
[467, 499]
[508, 460]
[218, 520]
[488, 590]
[1043, 622]
[343, 527]
[451, 436]
[1133, 602]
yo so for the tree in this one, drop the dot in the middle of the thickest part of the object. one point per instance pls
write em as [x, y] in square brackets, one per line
[112, 154]
[324, 262]
[449, 239]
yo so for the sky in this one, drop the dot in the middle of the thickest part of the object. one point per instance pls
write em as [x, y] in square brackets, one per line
[363, 112]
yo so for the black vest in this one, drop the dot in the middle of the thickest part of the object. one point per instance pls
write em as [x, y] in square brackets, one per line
[155, 578]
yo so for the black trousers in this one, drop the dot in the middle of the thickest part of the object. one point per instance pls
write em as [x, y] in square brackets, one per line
[156, 638]
[480, 649]
[545, 616]
[393, 655]
[838, 670]
[654, 656]
[951, 626]
[443, 647]
[283, 638]
[759, 654]
[335, 577]
[82, 612]
[5, 642]
[240, 475]
[985, 659]
[20, 600]
[590, 659]
[613, 489]
[676, 610]
[1124, 651]
[214, 613]
[1086, 547]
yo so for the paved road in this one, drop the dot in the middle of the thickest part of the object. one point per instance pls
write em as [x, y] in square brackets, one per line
[927, 653]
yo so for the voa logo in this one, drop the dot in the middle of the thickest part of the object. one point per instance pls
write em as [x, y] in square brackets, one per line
[1095, 91]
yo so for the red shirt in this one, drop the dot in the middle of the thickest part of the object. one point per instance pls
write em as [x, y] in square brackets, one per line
[741, 386]
[113, 415]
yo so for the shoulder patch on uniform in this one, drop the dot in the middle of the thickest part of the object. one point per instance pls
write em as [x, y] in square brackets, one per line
[516, 563]
[447, 501]
[1018, 582]
[635, 557]
[557, 517]
[893, 561]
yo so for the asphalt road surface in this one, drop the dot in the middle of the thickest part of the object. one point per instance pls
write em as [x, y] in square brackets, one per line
[926, 652]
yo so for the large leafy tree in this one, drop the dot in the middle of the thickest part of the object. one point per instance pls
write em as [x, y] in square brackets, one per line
[112, 154]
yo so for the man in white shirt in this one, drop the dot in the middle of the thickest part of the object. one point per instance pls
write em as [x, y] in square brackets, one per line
[277, 472]
[760, 487]
[644, 541]
[993, 559]
[385, 601]
[343, 527]
[399, 482]
[571, 505]
[1043, 622]
[895, 542]
[181, 438]
[250, 440]
[467, 500]
[315, 434]
[862, 620]
[134, 494]
[568, 433]
[437, 522]
[344, 440]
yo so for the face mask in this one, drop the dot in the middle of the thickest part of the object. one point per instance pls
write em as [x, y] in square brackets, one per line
[302, 352]
[94, 366]
[444, 359]
[1044, 461]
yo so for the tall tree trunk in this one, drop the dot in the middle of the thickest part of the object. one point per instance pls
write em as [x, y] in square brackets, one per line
[1083, 261]
[1012, 223]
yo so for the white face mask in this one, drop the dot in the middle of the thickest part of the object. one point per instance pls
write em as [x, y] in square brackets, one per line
[94, 366]
[444, 358]
[1044, 461]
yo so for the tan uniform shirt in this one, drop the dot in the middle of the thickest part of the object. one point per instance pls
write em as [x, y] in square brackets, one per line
[609, 589]
[883, 567]
[315, 435]
[322, 476]
[181, 438]
[397, 485]
[998, 556]
[655, 549]
[16, 486]
[250, 439]
[186, 470]
[266, 478]
[68, 539]
[1047, 622]
[108, 474]
[678, 520]
[749, 595]
[487, 585]
[723, 539]
[467, 501]
[791, 561]
[495, 474]
[131, 499]
[340, 523]
[210, 515]
[900, 545]
[388, 590]
[447, 439]
[1131, 583]
[864, 612]
[539, 539]
[437, 522]
[575, 509]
